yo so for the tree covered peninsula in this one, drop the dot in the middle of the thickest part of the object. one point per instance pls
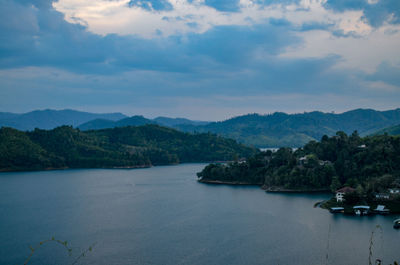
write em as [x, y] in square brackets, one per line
[126, 147]
[369, 164]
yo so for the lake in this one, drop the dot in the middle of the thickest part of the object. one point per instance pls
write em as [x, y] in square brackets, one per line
[162, 215]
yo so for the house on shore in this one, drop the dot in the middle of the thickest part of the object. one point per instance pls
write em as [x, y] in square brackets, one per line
[341, 192]
[382, 196]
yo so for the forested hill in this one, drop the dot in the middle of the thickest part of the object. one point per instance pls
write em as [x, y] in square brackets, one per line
[137, 120]
[273, 130]
[392, 130]
[370, 164]
[294, 130]
[66, 147]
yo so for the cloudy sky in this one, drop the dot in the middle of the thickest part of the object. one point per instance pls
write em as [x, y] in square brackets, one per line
[200, 59]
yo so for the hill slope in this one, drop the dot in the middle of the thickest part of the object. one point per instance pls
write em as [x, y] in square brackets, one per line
[66, 147]
[137, 121]
[98, 124]
[393, 130]
[294, 130]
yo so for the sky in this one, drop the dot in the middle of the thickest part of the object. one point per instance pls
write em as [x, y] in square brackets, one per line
[199, 59]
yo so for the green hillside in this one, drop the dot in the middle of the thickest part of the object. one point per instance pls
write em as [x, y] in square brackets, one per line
[66, 147]
[294, 130]
[370, 164]
[392, 130]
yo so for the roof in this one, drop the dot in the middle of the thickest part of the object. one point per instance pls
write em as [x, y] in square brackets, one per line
[337, 208]
[361, 207]
[382, 194]
[346, 190]
[380, 208]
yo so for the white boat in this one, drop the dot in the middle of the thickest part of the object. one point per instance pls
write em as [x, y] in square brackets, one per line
[337, 210]
[396, 223]
[361, 209]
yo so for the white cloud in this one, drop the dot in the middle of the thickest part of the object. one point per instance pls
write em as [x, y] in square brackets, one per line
[361, 53]
[106, 17]
[363, 48]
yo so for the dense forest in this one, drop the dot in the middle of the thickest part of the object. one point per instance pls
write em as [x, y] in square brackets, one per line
[295, 130]
[369, 164]
[392, 130]
[142, 146]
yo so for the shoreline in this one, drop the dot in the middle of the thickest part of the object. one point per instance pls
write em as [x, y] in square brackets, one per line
[263, 187]
[233, 183]
[285, 190]
[10, 170]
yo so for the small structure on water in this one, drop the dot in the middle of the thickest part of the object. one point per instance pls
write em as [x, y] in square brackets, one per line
[396, 223]
[380, 209]
[337, 210]
[341, 192]
[361, 209]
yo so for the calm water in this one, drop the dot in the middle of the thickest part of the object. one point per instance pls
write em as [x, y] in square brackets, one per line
[162, 216]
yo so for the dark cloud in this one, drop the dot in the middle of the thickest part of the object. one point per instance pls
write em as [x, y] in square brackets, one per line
[223, 5]
[158, 5]
[316, 26]
[387, 73]
[375, 14]
[225, 60]
[274, 2]
[234, 5]
[41, 37]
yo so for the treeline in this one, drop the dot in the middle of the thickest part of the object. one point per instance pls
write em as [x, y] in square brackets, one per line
[370, 164]
[295, 130]
[66, 147]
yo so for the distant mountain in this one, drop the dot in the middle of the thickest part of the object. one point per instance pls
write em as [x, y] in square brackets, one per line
[138, 121]
[393, 130]
[172, 122]
[294, 130]
[49, 119]
[98, 124]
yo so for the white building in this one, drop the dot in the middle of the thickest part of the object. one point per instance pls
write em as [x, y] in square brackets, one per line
[341, 192]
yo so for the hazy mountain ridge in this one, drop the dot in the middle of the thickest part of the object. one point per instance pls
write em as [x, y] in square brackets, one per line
[294, 130]
[98, 124]
[171, 122]
[137, 120]
[49, 119]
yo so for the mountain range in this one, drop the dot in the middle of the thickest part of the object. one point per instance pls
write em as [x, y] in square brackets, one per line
[49, 119]
[294, 130]
[270, 130]
[138, 120]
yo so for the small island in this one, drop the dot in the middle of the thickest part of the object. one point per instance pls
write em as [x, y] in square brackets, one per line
[370, 166]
